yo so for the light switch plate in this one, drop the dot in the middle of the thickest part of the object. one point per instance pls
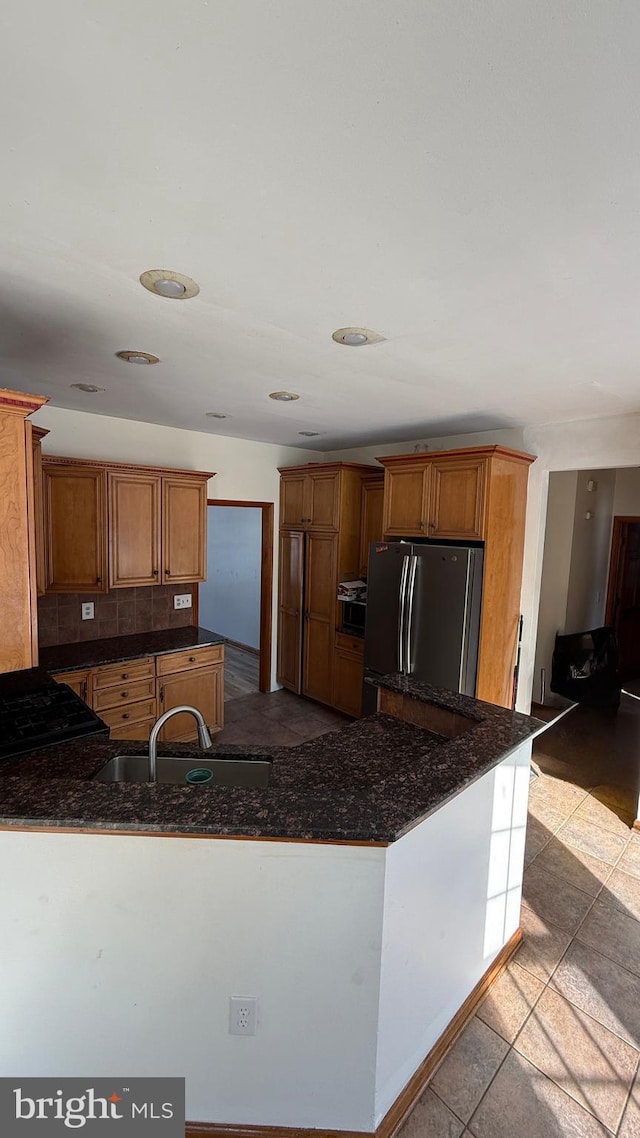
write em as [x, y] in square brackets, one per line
[88, 610]
[182, 601]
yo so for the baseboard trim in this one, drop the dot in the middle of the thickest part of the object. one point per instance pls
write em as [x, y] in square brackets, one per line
[406, 1100]
[243, 647]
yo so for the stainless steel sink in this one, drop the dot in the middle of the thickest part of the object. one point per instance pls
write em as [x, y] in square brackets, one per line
[229, 770]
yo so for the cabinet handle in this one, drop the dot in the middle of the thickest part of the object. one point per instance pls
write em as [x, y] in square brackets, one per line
[162, 694]
[123, 694]
[155, 573]
[167, 573]
[192, 659]
[84, 690]
[125, 676]
[126, 715]
[98, 580]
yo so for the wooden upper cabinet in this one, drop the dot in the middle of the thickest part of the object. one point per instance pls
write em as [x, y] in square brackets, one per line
[323, 492]
[292, 500]
[134, 529]
[371, 518]
[310, 499]
[184, 528]
[75, 498]
[457, 498]
[110, 525]
[406, 499]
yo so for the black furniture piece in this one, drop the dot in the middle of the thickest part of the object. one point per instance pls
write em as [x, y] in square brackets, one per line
[585, 667]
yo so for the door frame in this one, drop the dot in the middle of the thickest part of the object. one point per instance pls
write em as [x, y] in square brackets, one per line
[266, 582]
[619, 524]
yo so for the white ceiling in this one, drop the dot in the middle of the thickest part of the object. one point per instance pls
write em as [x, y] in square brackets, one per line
[461, 177]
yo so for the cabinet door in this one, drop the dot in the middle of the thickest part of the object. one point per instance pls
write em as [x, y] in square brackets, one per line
[290, 584]
[457, 498]
[184, 528]
[292, 500]
[406, 499]
[134, 529]
[75, 529]
[320, 615]
[348, 677]
[371, 520]
[79, 682]
[201, 688]
[38, 510]
[323, 491]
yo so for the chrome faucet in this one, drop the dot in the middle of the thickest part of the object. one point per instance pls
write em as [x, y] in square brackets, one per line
[204, 737]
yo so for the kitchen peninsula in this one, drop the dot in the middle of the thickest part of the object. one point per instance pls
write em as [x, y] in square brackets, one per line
[376, 891]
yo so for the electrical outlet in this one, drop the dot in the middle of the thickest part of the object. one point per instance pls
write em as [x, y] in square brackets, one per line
[87, 610]
[243, 1015]
[182, 601]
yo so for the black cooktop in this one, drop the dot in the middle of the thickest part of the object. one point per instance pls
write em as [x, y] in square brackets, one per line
[36, 712]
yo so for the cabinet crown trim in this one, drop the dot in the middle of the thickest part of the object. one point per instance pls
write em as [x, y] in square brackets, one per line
[126, 467]
[326, 467]
[19, 403]
[423, 457]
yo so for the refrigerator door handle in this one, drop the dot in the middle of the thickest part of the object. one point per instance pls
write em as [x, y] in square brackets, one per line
[402, 608]
[410, 588]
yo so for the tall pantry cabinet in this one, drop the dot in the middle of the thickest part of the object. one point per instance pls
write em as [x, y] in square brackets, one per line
[320, 528]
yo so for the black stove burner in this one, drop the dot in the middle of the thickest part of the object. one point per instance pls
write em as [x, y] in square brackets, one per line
[37, 712]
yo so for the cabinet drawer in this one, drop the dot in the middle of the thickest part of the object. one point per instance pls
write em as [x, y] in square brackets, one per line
[126, 672]
[123, 694]
[353, 644]
[190, 658]
[132, 713]
[139, 730]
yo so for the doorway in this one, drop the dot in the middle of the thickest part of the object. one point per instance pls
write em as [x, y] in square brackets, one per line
[623, 593]
[236, 599]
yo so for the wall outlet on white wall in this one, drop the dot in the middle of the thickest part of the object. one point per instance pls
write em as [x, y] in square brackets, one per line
[87, 610]
[243, 1015]
[182, 601]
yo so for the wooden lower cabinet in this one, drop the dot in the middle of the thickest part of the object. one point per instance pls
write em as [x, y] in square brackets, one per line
[348, 676]
[79, 682]
[320, 590]
[290, 595]
[199, 687]
[129, 697]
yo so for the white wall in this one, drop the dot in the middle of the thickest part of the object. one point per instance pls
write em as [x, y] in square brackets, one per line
[230, 596]
[443, 927]
[119, 954]
[626, 501]
[556, 566]
[587, 592]
[244, 470]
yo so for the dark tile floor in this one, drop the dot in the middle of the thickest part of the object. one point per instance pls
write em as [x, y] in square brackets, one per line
[276, 719]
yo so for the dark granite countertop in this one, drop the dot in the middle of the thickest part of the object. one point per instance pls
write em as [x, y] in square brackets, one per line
[371, 781]
[114, 649]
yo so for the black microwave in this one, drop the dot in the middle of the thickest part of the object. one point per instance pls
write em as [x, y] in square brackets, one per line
[353, 617]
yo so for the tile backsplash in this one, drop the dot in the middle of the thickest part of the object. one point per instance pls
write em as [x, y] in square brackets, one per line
[118, 613]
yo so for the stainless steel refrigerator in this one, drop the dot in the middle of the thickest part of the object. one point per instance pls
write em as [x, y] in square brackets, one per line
[423, 614]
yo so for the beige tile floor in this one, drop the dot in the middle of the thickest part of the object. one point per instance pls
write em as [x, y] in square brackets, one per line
[554, 1048]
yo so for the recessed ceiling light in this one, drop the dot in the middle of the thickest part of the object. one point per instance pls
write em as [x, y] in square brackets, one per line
[216, 415]
[138, 357]
[284, 396]
[173, 286]
[356, 337]
[87, 387]
[309, 434]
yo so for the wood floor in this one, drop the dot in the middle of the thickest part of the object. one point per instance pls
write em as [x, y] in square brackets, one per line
[240, 672]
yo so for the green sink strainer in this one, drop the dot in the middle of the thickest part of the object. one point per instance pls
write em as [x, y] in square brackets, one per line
[198, 776]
